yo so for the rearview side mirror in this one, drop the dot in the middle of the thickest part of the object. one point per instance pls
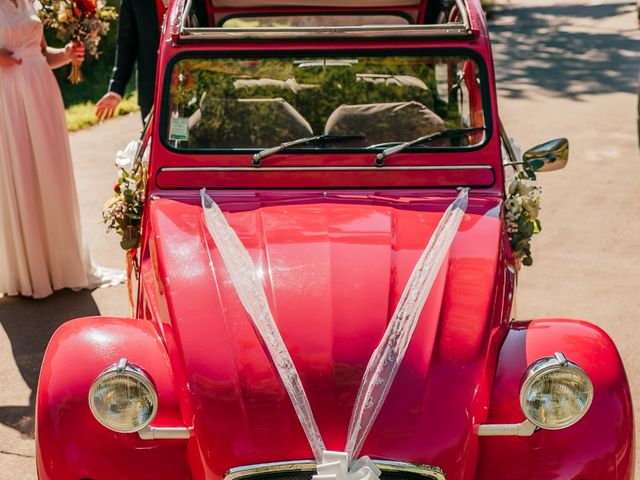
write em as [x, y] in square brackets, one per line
[548, 156]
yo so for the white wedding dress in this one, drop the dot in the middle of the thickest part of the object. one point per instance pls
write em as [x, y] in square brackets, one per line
[41, 246]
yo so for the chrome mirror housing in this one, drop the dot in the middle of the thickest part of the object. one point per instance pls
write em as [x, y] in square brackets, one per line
[548, 156]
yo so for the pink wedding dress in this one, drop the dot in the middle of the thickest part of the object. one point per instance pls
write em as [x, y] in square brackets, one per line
[41, 246]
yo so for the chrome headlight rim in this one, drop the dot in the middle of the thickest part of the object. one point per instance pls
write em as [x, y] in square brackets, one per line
[542, 367]
[120, 369]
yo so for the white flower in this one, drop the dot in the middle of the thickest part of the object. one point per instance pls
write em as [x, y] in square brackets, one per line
[125, 158]
[522, 189]
[132, 184]
[513, 205]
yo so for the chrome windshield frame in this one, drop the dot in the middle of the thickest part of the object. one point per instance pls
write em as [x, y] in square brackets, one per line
[467, 52]
[448, 30]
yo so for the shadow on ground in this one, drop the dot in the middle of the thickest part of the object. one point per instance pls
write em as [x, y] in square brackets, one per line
[561, 49]
[29, 325]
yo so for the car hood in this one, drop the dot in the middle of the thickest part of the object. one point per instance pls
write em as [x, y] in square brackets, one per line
[334, 268]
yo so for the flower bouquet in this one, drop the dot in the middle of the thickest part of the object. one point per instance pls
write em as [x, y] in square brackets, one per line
[81, 21]
[123, 211]
[522, 208]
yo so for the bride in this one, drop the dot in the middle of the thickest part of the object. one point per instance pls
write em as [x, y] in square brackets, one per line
[41, 247]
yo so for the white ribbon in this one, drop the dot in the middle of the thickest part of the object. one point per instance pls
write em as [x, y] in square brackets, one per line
[386, 358]
[335, 466]
[244, 276]
[385, 361]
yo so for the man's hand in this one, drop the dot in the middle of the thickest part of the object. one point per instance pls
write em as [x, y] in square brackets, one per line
[75, 52]
[106, 106]
[7, 59]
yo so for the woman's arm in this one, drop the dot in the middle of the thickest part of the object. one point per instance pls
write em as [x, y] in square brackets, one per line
[58, 57]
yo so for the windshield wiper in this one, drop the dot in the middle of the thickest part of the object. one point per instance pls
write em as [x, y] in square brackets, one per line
[424, 140]
[257, 158]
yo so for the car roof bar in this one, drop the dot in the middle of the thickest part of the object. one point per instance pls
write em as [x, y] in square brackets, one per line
[452, 30]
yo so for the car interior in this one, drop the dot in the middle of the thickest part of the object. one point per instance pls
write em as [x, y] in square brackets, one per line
[262, 102]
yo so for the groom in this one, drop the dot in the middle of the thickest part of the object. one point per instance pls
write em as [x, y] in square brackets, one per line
[138, 41]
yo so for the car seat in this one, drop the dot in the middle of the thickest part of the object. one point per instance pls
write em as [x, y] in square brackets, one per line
[247, 123]
[383, 122]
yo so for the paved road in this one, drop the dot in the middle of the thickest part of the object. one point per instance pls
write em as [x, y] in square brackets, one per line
[571, 69]
[564, 69]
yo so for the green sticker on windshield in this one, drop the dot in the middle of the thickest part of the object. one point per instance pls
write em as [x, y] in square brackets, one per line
[179, 128]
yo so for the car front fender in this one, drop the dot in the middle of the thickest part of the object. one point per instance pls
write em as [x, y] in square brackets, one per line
[600, 445]
[70, 443]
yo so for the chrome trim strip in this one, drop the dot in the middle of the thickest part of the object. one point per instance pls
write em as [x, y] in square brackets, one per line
[462, 8]
[416, 468]
[524, 429]
[260, 468]
[275, 33]
[328, 169]
[446, 29]
[310, 466]
[164, 433]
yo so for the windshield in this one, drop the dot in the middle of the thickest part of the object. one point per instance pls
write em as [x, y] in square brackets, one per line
[379, 101]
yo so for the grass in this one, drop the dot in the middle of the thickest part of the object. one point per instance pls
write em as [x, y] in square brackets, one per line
[83, 115]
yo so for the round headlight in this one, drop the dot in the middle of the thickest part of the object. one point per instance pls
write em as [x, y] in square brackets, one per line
[556, 393]
[123, 399]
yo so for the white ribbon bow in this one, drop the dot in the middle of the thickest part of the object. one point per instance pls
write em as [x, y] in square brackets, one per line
[335, 466]
[383, 364]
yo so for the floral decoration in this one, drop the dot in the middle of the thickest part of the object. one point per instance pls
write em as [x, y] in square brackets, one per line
[123, 211]
[522, 209]
[82, 21]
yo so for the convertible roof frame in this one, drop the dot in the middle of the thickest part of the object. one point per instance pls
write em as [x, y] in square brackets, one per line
[443, 30]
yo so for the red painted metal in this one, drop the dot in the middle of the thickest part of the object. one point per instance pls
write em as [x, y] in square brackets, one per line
[70, 443]
[335, 266]
[335, 250]
[601, 445]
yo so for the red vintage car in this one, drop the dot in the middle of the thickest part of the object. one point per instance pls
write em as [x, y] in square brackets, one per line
[328, 254]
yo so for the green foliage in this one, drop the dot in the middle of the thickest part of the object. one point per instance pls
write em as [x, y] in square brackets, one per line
[83, 115]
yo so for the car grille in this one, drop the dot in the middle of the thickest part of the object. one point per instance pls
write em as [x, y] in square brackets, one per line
[304, 470]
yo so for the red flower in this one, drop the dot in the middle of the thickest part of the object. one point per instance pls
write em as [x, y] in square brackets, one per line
[85, 8]
[116, 188]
